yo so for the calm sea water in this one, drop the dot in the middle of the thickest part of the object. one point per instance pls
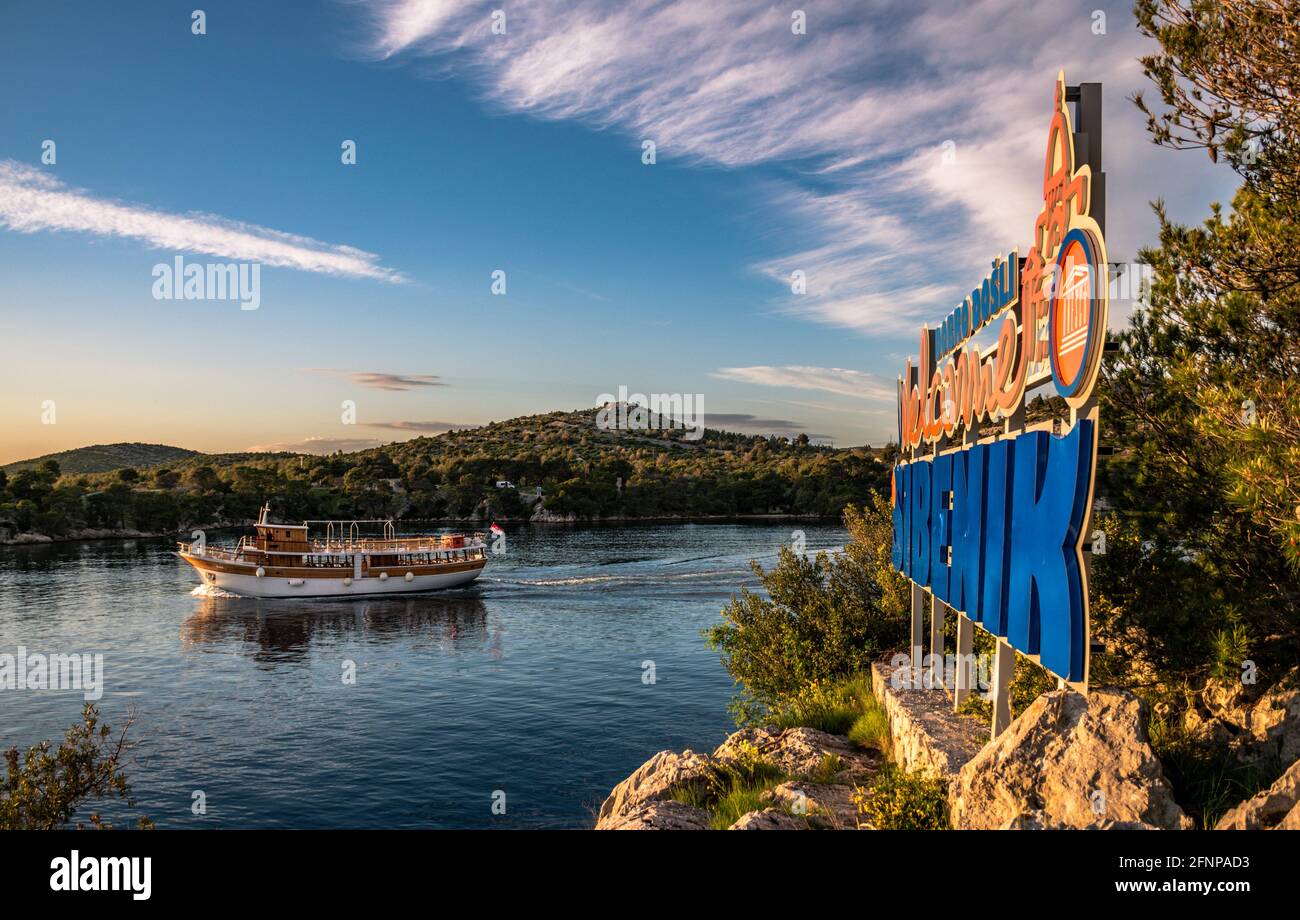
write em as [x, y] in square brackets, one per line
[530, 683]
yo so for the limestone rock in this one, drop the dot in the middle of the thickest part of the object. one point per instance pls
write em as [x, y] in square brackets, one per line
[656, 780]
[547, 516]
[1261, 724]
[799, 752]
[1229, 700]
[825, 806]
[769, 819]
[1198, 721]
[1275, 721]
[1277, 807]
[657, 816]
[21, 539]
[1037, 821]
[1068, 761]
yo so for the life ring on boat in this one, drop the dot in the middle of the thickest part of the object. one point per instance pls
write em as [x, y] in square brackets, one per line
[383, 576]
[260, 571]
[410, 576]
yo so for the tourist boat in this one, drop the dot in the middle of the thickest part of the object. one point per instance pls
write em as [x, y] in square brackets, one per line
[281, 560]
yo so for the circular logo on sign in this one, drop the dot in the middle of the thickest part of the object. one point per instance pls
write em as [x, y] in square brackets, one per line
[1074, 315]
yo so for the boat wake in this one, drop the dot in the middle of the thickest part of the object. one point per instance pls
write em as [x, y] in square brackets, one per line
[211, 591]
[626, 579]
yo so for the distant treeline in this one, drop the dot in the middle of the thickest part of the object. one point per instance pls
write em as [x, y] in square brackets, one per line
[581, 470]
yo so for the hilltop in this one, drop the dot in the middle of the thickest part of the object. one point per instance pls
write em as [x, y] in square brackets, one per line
[103, 458]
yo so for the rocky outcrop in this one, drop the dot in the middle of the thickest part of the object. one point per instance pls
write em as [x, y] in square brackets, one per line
[825, 806]
[25, 539]
[547, 516]
[1068, 761]
[1274, 721]
[1037, 821]
[1276, 808]
[769, 819]
[926, 735]
[800, 752]
[1261, 724]
[824, 768]
[655, 781]
[1228, 699]
[657, 816]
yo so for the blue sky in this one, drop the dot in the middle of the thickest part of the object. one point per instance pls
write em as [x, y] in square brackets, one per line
[776, 152]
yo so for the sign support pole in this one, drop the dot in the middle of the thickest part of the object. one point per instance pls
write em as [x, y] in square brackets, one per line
[937, 611]
[918, 632]
[1004, 668]
[965, 664]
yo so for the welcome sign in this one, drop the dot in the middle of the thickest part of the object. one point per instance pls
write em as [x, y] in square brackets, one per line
[990, 514]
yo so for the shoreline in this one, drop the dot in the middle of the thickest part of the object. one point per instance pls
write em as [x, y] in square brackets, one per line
[91, 535]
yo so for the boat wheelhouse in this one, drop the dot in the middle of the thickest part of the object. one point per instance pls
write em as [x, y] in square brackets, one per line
[283, 560]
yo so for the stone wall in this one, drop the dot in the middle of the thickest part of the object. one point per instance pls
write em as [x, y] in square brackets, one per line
[927, 735]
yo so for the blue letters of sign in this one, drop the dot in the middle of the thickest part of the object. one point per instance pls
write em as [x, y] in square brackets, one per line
[940, 524]
[1045, 606]
[997, 536]
[898, 553]
[970, 481]
[919, 523]
[1006, 554]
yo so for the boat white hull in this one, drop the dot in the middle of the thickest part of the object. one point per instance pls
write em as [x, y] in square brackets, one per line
[279, 586]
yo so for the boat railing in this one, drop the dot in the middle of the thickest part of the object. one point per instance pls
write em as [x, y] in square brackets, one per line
[209, 551]
[422, 544]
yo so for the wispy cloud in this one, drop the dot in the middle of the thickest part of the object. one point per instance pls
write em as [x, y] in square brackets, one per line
[711, 81]
[857, 114]
[751, 424]
[407, 21]
[318, 446]
[838, 380]
[421, 427]
[381, 380]
[32, 201]
[326, 445]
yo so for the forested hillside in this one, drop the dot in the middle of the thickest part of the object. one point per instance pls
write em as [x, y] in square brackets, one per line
[584, 472]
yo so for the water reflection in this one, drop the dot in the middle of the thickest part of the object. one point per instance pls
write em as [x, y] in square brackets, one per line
[288, 629]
